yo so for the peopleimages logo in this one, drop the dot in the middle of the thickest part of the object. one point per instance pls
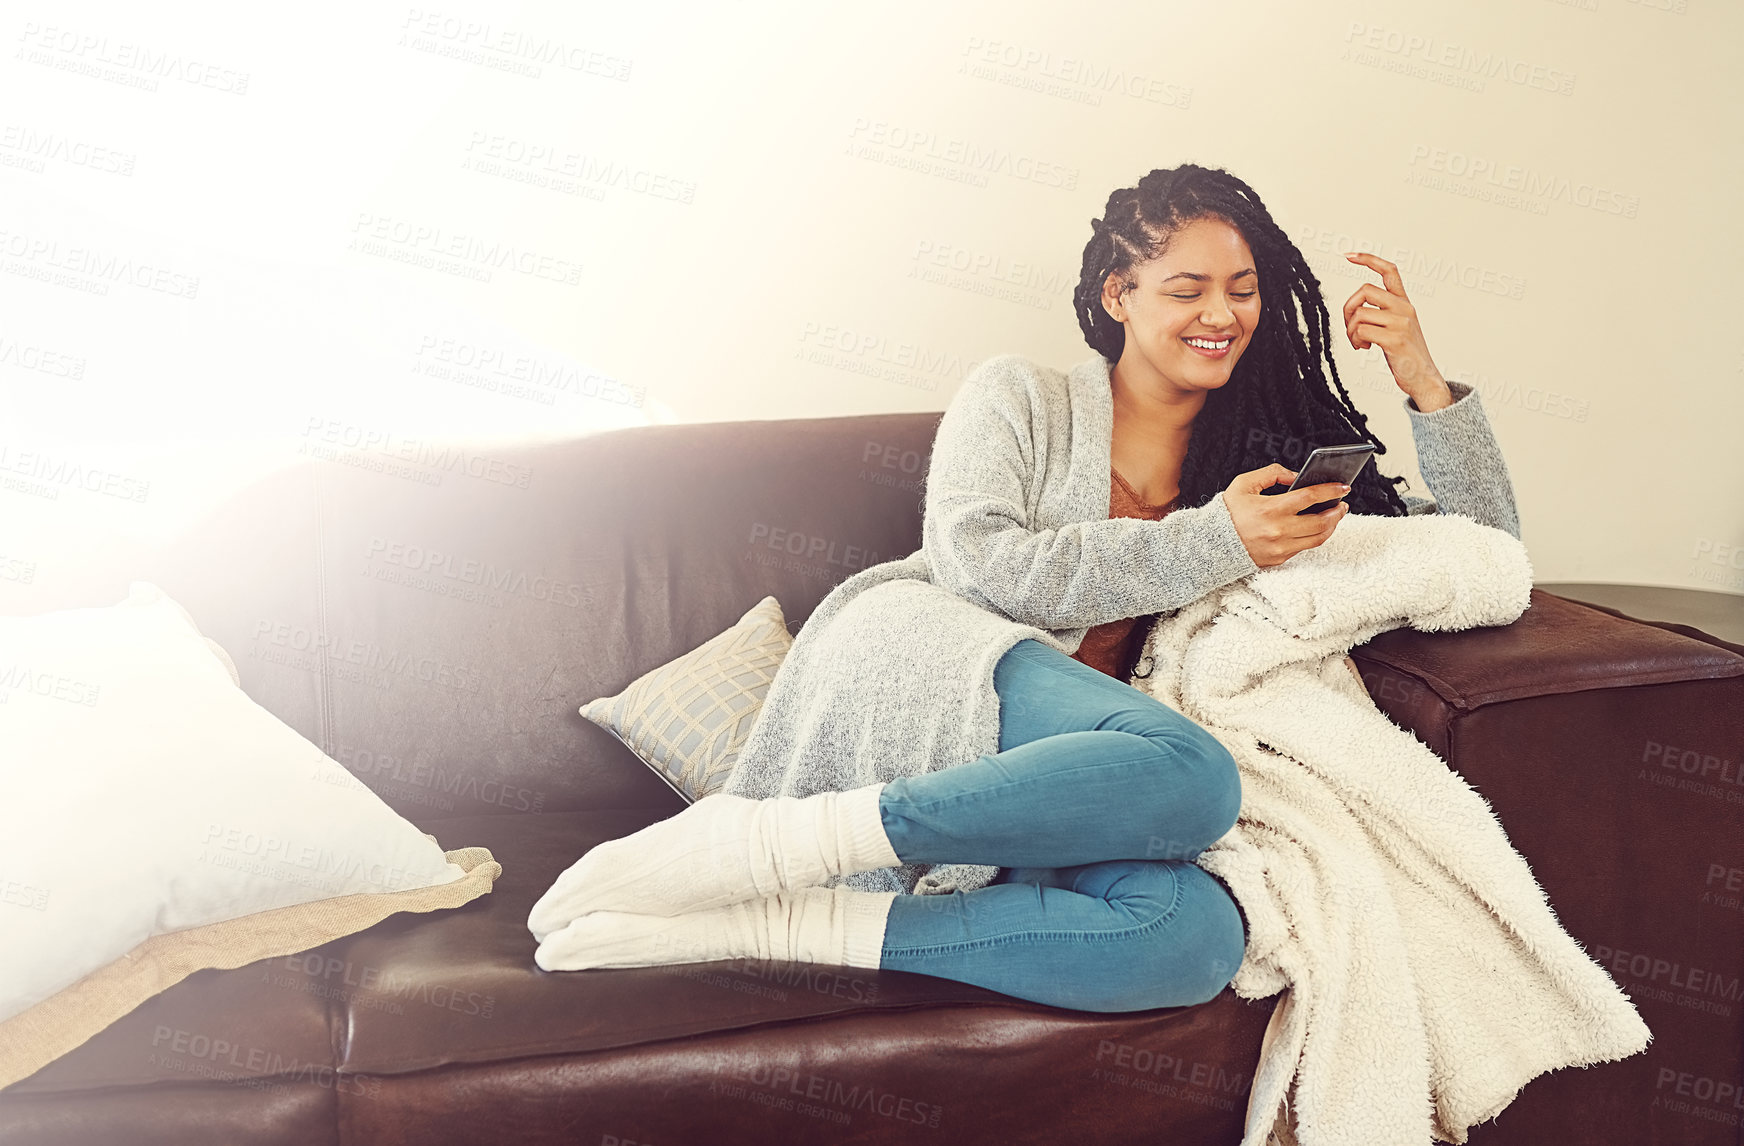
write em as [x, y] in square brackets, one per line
[24, 679]
[97, 270]
[92, 54]
[544, 163]
[1530, 182]
[202, 1055]
[43, 360]
[434, 248]
[518, 375]
[1068, 77]
[909, 146]
[13, 568]
[307, 649]
[479, 42]
[263, 853]
[449, 458]
[1459, 58]
[69, 473]
[483, 574]
[31, 149]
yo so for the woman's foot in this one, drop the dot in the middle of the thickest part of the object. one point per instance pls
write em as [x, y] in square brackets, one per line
[834, 925]
[720, 850]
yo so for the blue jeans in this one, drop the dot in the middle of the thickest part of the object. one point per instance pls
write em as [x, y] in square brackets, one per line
[1096, 803]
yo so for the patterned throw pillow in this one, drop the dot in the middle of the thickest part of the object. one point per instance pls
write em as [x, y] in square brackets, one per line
[689, 718]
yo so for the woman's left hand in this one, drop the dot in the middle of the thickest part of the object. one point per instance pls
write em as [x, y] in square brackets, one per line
[1386, 318]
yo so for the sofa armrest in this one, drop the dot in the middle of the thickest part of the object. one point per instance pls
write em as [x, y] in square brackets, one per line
[1426, 681]
[1607, 749]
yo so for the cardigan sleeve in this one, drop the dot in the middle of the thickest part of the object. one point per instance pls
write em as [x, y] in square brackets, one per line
[1462, 462]
[980, 544]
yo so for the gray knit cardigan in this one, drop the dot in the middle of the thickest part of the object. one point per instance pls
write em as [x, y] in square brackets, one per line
[892, 674]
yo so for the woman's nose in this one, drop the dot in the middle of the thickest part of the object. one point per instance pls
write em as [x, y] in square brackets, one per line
[1217, 312]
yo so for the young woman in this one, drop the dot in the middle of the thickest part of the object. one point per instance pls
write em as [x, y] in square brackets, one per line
[1063, 513]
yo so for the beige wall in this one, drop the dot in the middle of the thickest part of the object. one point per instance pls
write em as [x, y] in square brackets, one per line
[229, 240]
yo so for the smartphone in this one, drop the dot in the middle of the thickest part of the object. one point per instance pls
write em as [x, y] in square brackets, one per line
[1328, 463]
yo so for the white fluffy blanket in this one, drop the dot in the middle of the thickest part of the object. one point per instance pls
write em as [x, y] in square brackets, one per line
[1427, 978]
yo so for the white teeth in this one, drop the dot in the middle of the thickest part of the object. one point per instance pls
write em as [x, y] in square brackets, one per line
[1204, 345]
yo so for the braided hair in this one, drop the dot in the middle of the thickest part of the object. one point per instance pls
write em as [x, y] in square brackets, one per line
[1277, 392]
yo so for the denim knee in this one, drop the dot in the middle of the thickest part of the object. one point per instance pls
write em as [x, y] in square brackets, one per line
[1223, 785]
[1196, 958]
[1212, 789]
[1189, 938]
[1224, 933]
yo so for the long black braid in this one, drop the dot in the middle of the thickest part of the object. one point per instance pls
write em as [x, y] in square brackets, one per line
[1277, 401]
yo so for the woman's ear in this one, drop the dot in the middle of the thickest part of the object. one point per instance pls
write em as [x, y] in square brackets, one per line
[1111, 290]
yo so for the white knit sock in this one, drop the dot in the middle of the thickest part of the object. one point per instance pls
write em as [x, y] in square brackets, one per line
[720, 850]
[836, 925]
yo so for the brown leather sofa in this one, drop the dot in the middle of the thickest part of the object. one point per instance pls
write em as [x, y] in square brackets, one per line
[434, 624]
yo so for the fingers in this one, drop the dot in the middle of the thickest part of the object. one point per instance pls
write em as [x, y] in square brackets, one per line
[1350, 306]
[1367, 332]
[1329, 520]
[1282, 532]
[1390, 277]
[1389, 298]
[1256, 480]
[1317, 527]
[1289, 523]
[1314, 496]
[1366, 294]
[1297, 533]
[1373, 307]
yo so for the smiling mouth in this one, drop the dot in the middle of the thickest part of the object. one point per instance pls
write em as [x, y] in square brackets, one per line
[1208, 347]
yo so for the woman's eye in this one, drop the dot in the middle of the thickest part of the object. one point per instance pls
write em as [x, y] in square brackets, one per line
[1191, 297]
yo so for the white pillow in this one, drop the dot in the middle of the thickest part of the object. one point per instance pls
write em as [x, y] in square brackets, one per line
[142, 793]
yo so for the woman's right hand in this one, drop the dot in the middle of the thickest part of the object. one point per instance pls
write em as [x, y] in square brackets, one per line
[1268, 523]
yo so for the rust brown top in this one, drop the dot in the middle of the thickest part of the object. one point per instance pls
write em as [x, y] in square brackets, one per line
[1110, 647]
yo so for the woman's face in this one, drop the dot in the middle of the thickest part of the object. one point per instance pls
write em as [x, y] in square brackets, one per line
[1204, 288]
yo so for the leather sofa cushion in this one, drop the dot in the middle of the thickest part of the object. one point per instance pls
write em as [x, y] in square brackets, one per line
[264, 1114]
[468, 990]
[978, 1076]
[257, 1021]
[425, 1016]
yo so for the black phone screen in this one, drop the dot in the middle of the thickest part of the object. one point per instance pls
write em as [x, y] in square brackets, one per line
[1329, 463]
